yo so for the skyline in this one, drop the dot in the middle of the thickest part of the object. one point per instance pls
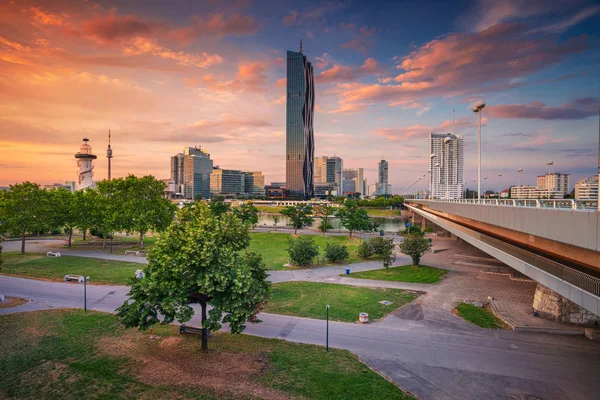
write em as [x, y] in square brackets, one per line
[162, 80]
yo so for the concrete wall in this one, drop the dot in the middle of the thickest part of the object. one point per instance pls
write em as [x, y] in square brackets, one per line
[573, 227]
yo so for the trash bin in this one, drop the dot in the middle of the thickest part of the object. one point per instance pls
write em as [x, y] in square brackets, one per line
[381, 233]
[363, 317]
[429, 240]
[347, 271]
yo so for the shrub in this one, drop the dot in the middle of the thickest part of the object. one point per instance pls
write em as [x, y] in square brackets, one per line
[428, 229]
[324, 227]
[302, 250]
[383, 248]
[415, 245]
[336, 252]
[364, 249]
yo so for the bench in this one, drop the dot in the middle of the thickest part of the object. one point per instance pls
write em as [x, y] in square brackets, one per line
[189, 329]
[51, 254]
[134, 252]
[72, 277]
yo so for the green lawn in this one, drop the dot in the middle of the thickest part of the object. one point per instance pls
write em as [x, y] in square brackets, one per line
[481, 317]
[270, 209]
[36, 265]
[405, 273]
[273, 247]
[383, 212]
[68, 354]
[308, 299]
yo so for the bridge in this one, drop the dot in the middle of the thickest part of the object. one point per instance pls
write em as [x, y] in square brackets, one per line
[554, 242]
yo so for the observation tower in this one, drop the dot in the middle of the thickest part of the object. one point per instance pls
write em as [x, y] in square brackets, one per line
[85, 165]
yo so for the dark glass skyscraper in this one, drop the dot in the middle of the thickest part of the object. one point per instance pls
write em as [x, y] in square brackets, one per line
[300, 144]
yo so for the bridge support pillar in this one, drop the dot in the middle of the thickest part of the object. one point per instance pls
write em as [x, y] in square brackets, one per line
[551, 305]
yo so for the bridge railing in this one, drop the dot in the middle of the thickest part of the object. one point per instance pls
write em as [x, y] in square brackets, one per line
[586, 205]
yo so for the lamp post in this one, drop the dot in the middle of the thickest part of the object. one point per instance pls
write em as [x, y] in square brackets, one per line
[485, 179]
[431, 175]
[478, 108]
[519, 173]
[327, 328]
[474, 180]
[499, 175]
[439, 171]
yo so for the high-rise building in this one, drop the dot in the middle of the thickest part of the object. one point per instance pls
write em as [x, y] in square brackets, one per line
[446, 177]
[320, 170]
[555, 181]
[227, 182]
[194, 169]
[85, 165]
[329, 170]
[587, 189]
[356, 177]
[177, 176]
[382, 176]
[254, 183]
[300, 146]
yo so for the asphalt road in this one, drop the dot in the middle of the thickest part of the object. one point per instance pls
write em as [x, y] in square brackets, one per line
[449, 359]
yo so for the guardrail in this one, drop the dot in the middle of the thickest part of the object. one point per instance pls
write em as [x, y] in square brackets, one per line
[585, 205]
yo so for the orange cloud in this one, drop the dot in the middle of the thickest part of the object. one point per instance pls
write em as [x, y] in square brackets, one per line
[140, 46]
[281, 83]
[420, 131]
[216, 25]
[577, 109]
[117, 28]
[362, 41]
[250, 77]
[41, 17]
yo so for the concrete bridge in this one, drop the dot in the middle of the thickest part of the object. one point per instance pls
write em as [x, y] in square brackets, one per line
[554, 242]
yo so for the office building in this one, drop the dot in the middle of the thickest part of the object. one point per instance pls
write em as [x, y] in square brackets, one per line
[227, 182]
[526, 192]
[300, 146]
[70, 186]
[254, 183]
[373, 189]
[382, 177]
[85, 165]
[177, 177]
[587, 189]
[555, 182]
[324, 189]
[356, 177]
[446, 166]
[329, 170]
[195, 169]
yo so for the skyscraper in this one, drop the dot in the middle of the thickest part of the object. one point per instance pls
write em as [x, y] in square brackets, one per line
[195, 171]
[300, 146]
[382, 176]
[356, 177]
[446, 177]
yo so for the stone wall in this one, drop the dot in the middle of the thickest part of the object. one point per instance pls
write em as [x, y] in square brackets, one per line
[550, 305]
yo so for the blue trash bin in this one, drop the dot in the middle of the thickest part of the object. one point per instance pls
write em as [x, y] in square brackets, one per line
[347, 271]
[380, 233]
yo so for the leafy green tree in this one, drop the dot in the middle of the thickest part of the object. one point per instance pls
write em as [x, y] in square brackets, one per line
[24, 209]
[364, 249]
[247, 213]
[300, 215]
[353, 217]
[302, 250]
[197, 260]
[63, 212]
[109, 215]
[84, 209]
[325, 213]
[335, 252]
[415, 245]
[383, 248]
[218, 205]
[276, 219]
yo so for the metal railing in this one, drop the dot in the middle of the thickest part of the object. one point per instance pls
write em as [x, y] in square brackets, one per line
[584, 205]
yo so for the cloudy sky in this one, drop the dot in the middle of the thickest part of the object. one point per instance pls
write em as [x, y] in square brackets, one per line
[164, 75]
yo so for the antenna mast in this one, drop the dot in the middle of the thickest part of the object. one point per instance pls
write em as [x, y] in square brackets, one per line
[300, 46]
[109, 155]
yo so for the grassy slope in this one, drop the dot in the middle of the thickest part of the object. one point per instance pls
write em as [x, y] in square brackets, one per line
[383, 212]
[405, 273]
[64, 354]
[481, 317]
[273, 246]
[34, 265]
[308, 299]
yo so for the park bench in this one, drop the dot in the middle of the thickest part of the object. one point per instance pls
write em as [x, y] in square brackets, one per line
[72, 277]
[134, 252]
[189, 329]
[52, 254]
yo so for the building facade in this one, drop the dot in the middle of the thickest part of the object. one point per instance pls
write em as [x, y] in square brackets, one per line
[446, 166]
[587, 189]
[227, 182]
[254, 183]
[300, 146]
[329, 170]
[85, 165]
[382, 177]
[356, 176]
[555, 182]
[177, 177]
[197, 168]
[534, 192]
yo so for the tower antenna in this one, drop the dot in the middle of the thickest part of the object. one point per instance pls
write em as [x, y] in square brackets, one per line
[109, 155]
[300, 46]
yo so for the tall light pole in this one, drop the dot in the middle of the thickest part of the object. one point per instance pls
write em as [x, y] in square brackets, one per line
[439, 171]
[474, 180]
[447, 140]
[485, 179]
[519, 173]
[431, 174]
[478, 108]
[499, 191]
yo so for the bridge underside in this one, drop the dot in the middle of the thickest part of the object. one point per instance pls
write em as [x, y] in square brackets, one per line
[574, 286]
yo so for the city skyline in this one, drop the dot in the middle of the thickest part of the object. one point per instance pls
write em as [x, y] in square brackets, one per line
[214, 75]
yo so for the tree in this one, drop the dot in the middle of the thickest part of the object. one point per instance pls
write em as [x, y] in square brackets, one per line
[300, 215]
[63, 212]
[353, 217]
[329, 195]
[247, 213]
[218, 205]
[276, 220]
[198, 197]
[335, 252]
[383, 248]
[109, 216]
[302, 250]
[325, 212]
[415, 245]
[84, 209]
[197, 260]
[364, 249]
[24, 209]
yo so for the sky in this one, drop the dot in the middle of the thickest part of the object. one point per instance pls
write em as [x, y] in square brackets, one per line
[165, 75]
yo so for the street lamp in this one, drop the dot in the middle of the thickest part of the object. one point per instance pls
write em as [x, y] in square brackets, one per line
[485, 179]
[474, 180]
[439, 171]
[431, 157]
[519, 171]
[499, 175]
[478, 108]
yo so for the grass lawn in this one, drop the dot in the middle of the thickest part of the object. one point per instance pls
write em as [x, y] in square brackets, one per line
[308, 299]
[270, 209]
[36, 265]
[273, 247]
[481, 317]
[69, 354]
[405, 273]
[383, 212]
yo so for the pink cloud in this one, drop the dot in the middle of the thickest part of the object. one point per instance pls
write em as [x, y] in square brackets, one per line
[216, 25]
[281, 83]
[250, 77]
[141, 46]
[421, 131]
[343, 73]
[577, 109]
[117, 28]
[362, 41]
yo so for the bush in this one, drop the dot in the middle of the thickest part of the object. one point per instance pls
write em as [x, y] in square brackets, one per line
[325, 228]
[415, 245]
[302, 250]
[364, 249]
[428, 229]
[336, 252]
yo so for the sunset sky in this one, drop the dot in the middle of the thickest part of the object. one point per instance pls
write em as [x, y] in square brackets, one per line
[167, 74]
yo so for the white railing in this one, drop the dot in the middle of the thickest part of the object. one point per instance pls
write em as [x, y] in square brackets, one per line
[585, 205]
